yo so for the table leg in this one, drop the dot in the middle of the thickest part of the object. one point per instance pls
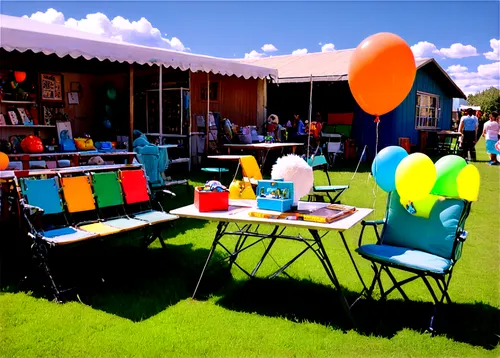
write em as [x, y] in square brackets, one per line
[325, 261]
[25, 159]
[220, 230]
[266, 251]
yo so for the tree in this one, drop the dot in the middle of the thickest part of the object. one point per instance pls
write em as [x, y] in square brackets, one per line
[489, 100]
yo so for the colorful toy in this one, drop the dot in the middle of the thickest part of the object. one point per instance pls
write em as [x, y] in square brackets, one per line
[32, 144]
[214, 185]
[275, 195]
[4, 161]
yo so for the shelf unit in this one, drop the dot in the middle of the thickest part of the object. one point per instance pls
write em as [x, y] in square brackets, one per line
[10, 129]
[171, 127]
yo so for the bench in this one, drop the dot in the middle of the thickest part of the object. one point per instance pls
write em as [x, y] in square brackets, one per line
[71, 207]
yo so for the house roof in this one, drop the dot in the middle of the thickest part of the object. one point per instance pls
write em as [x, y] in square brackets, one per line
[332, 66]
[23, 34]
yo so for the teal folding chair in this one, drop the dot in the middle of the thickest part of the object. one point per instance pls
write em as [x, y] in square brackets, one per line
[320, 191]
[426, 247]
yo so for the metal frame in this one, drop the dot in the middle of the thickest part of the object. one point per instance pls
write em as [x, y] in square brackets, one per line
[442, 280]
[40, 248]
[314, 243]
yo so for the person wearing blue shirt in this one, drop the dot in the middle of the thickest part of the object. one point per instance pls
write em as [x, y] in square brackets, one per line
[468, 127]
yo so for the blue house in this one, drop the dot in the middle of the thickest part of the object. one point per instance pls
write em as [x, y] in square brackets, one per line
[428, 106]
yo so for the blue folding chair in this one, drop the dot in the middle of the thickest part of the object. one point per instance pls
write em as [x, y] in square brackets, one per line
[426, 247]
[319, 191]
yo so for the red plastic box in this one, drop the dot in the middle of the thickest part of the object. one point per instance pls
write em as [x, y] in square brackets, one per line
[206, 201]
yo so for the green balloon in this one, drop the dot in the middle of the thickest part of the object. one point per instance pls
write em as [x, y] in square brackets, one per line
[447, 169]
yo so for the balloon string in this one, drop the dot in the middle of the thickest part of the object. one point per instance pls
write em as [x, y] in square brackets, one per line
[375, 186]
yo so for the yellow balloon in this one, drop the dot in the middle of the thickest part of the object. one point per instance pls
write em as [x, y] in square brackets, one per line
[235, 190]
[415, 177]
[423, 207]
[468, 182]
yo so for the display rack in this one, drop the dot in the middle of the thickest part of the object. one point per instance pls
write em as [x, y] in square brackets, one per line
[173, 126]
[8, 129]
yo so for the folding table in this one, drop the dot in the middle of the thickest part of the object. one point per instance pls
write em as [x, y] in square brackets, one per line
[248, 227]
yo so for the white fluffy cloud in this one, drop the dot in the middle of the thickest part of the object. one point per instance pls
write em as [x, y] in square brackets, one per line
[328, 47]
[269, 48]
[456, 69]
[484, 77]
[495, 54]
[254, 54]
[300, 51]
[139, 32]
[424, 49]
[456, 50]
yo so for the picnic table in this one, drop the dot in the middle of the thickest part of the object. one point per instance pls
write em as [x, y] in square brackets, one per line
[247, 226]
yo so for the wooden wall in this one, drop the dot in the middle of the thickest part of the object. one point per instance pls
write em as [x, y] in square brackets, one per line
[93, 75]
[237, 99]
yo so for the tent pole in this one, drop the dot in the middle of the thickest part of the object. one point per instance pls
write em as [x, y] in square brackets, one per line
[207, 121]
[310, 115]
[131, 106]
[160, 99]
[189, 128]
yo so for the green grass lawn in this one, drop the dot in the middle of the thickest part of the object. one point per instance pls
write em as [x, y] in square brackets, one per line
[142, 305]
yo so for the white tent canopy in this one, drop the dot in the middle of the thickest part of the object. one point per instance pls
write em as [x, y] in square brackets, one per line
[22, 34]
[465, 107]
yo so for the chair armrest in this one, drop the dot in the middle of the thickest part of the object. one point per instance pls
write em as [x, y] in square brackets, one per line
[372, 223]
[165, 191]
[32, 210]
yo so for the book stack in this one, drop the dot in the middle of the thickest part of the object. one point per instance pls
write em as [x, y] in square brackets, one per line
[327, 214]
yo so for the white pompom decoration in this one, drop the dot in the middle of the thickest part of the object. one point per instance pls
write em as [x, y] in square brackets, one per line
[295, 169]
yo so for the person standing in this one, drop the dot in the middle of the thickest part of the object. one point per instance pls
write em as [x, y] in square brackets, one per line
[468, 127]
[491, 131]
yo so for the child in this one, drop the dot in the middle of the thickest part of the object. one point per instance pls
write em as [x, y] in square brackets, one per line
[490, 133]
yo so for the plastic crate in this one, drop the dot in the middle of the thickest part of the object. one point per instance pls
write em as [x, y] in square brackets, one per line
[206, 201]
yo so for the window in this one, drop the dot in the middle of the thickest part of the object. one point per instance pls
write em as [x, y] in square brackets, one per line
[427, 111]
[214, 91]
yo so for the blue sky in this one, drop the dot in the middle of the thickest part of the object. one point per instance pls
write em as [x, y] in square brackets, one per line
[233, 29]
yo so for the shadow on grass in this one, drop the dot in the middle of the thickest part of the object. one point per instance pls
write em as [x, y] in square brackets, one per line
[304, 301]
[127, 281]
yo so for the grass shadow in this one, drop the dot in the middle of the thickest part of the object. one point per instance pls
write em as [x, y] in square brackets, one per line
[476, 324]
[126, 281]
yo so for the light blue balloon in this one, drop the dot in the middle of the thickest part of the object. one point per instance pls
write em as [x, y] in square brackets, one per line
[385, 164]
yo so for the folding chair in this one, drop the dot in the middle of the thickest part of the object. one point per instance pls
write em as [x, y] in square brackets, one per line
[41, 197]
[425, 247]
[79, 200]
[320, 191]
[109, 196]
[250, 169]
[137, 198]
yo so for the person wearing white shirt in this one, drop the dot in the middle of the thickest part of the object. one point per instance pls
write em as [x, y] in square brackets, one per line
[468, 127]
[491, 131]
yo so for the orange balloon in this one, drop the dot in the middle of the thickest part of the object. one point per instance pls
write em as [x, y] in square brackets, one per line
[381, 73]
[19, 76]
[4, 161]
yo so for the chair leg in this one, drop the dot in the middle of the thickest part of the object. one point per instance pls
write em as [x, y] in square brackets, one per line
[40, 255]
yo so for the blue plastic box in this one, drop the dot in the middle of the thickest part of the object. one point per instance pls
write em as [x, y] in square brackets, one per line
[276, 195]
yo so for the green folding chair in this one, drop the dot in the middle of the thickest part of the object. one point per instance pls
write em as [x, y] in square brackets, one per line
[319, 192]
[428, 248]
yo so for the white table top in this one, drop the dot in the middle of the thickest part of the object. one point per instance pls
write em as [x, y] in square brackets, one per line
[226, 157]
[263, 145]
[239, 213]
